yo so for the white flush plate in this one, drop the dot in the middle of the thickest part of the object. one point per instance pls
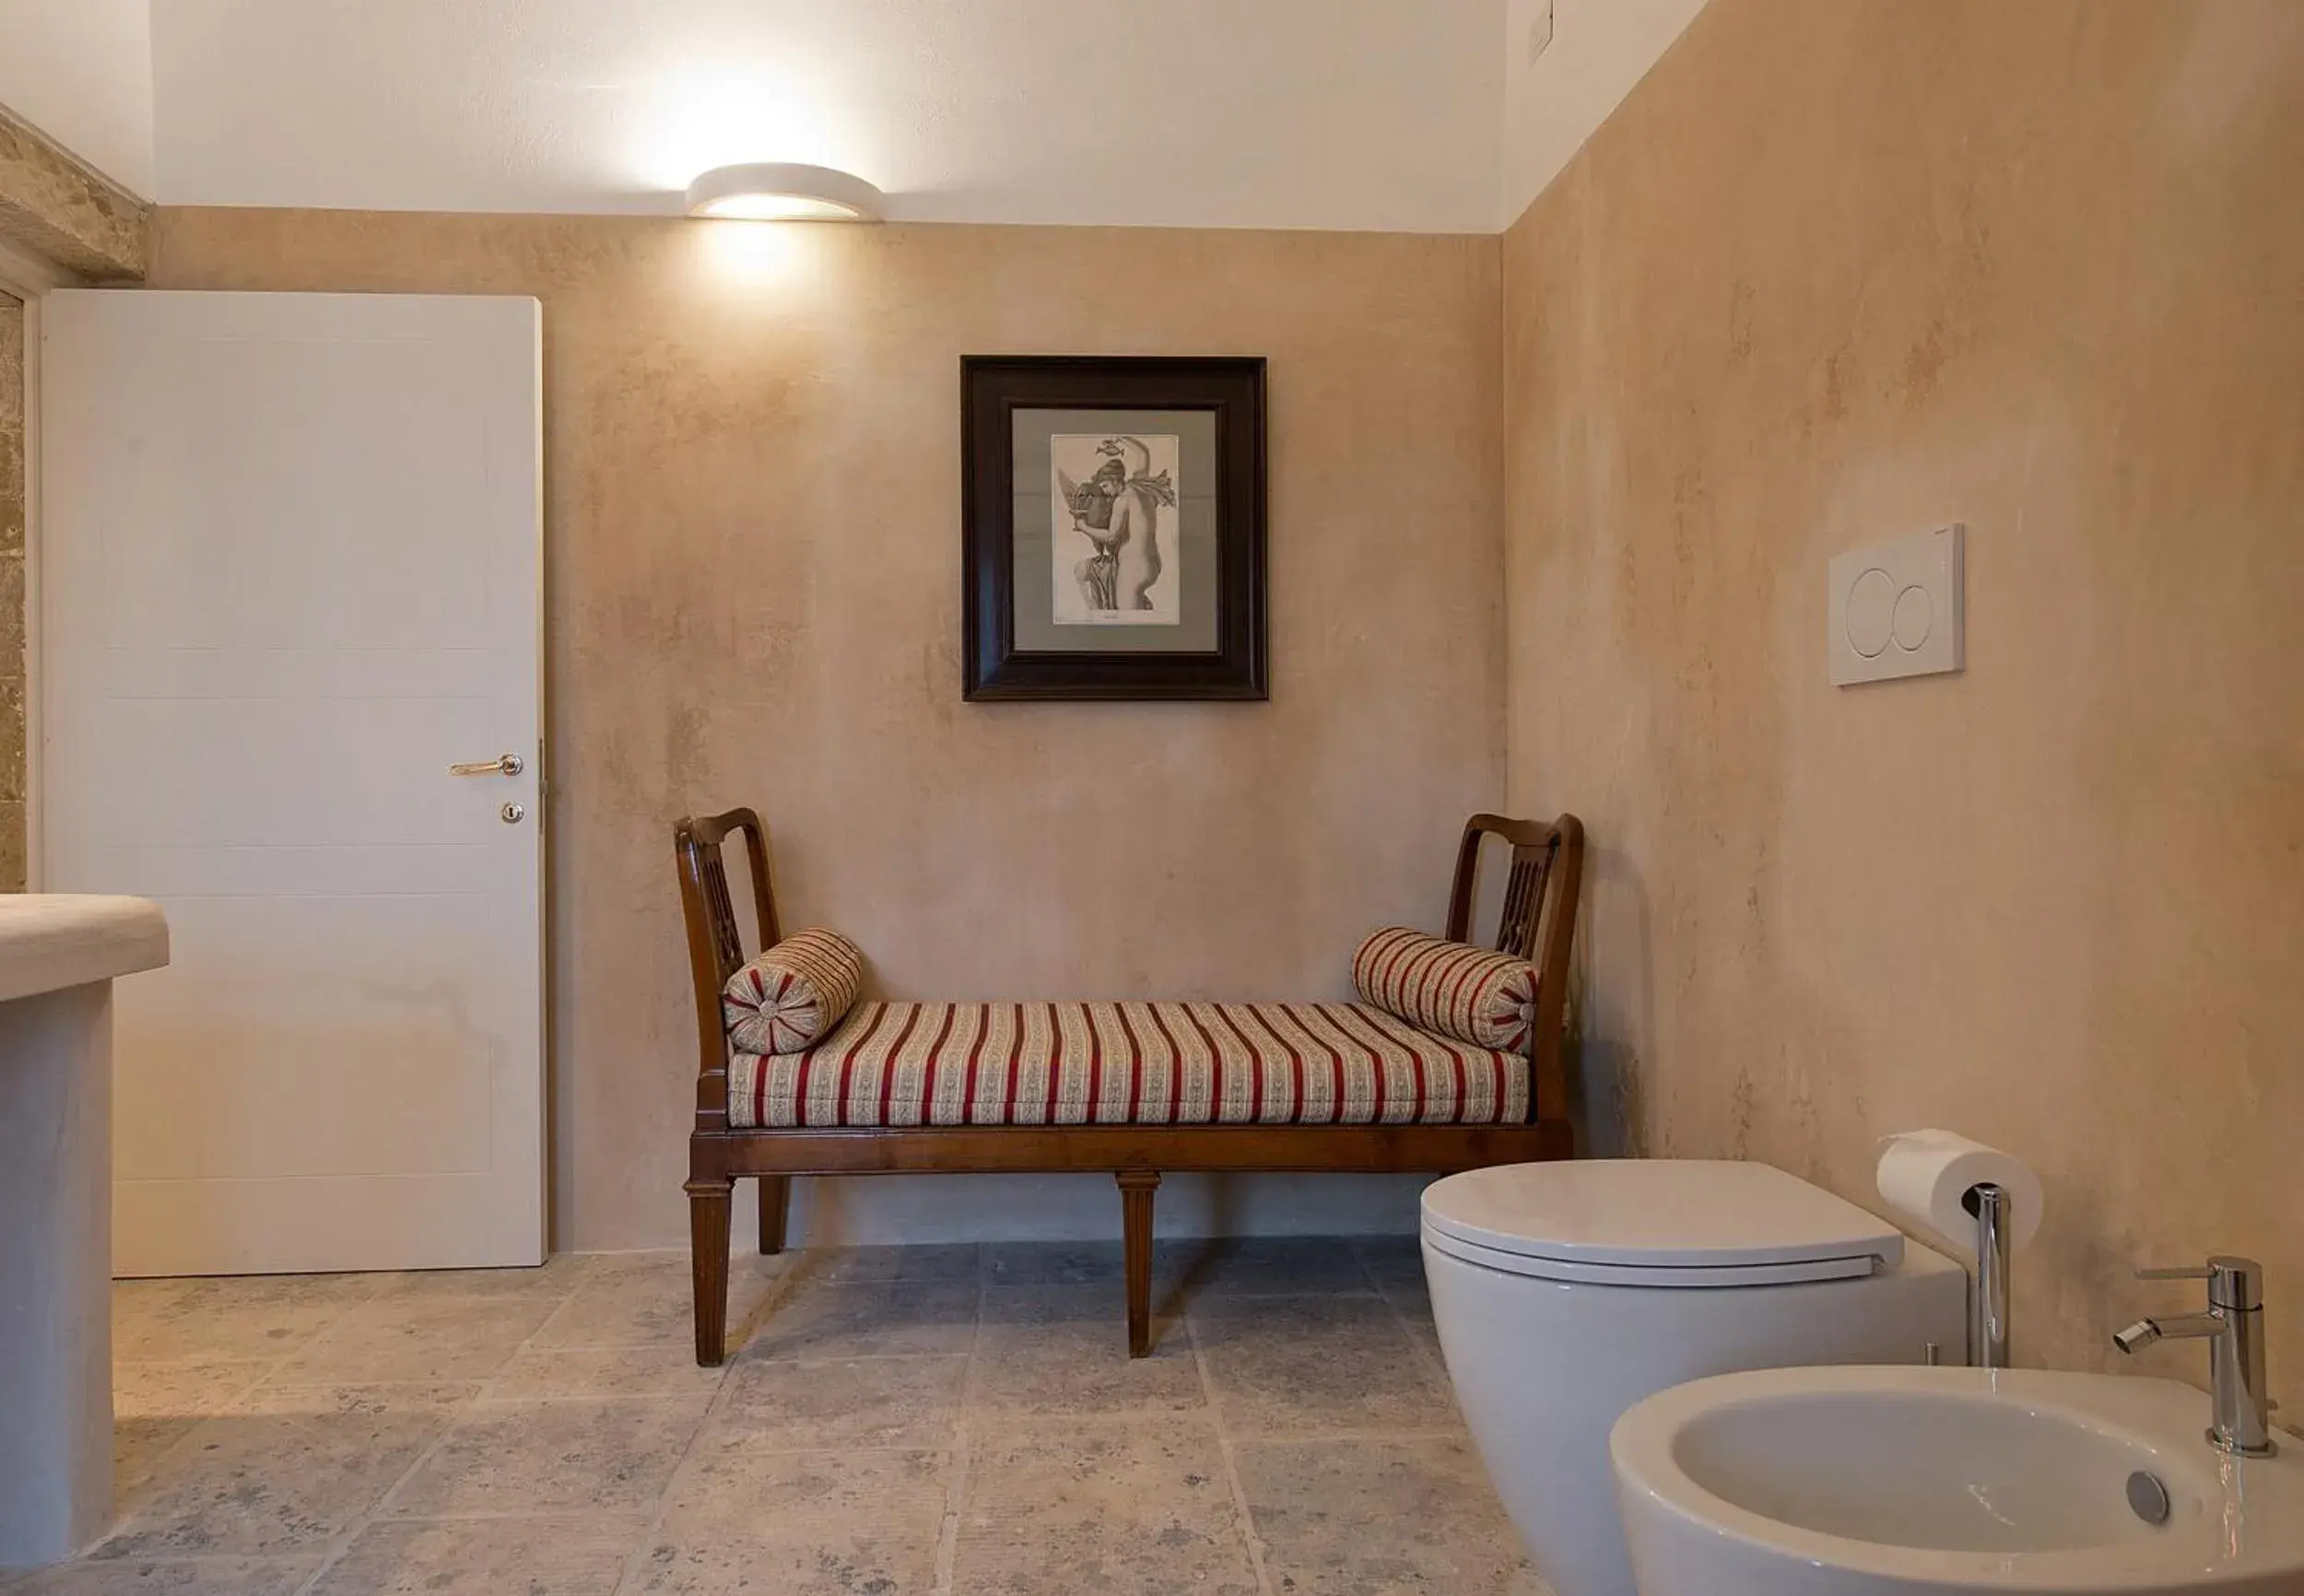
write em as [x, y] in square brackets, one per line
[1896, 610]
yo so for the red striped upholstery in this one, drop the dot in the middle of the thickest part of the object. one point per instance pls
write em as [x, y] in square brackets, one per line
[1486, 999]
[795, 992]
[1111, 1064]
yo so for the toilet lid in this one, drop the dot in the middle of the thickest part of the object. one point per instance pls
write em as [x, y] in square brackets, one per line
[1665, 1221]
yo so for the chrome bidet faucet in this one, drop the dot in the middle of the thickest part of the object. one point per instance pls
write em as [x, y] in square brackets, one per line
[2241, 1421]
[1988, 1309]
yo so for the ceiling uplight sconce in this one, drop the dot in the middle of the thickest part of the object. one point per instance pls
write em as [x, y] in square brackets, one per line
[784, 192]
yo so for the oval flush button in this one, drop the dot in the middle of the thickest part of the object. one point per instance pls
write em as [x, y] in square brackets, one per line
[1915, 614]
[1870, 612]
[2149, 1498]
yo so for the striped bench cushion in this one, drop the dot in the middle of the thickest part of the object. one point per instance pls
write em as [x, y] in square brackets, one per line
[1450, 987]
[788, 997]
[1121, 1064]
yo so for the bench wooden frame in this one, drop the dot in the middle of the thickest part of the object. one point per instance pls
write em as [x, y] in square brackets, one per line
[1537, 920]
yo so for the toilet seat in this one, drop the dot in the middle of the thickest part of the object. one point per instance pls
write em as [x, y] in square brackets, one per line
[1656, 1223]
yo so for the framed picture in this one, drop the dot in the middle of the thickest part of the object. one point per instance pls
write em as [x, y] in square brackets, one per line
[1113, 527]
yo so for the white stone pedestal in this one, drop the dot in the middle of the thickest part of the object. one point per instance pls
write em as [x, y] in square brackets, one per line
[58, 955]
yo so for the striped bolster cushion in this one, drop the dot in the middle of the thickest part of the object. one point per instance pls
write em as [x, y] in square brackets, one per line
[1486, 999]
[793, 993]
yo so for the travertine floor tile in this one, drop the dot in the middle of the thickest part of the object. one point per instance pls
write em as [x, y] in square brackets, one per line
[1350, 1518]
[648, 1300]
[1063, 1349]
[891, 1321]
[138, 1447]
[556, 1277]
[290, 1472]
[1116, 1508]
[775, 1524]
[1426, 1335]
[1393, 1262]
[1259, 1266]
[871, 1402]
[735, 1484]
[944, 1265]
[1315, 1363]
[1053, 1263]
[1413, 1302]
[418, 1338]
[881, 1387]
[612, 1456]
[233, 1317]
[855, 1562]
[142, 1576]
[627, 1371]
[155, 1405]
[582, 1556]
[161, 1391]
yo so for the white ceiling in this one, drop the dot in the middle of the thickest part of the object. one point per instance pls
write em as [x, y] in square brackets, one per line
[1412, 115]
[1600, 50]
[81, 71]
[1338, 113]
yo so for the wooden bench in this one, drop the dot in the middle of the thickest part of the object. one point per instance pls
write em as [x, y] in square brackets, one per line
[1381, 1096]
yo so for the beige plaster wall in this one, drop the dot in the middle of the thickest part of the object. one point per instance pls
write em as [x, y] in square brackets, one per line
[1840, 270]
[752, 467]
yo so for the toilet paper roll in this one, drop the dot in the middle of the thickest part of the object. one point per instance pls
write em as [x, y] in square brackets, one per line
[1926, 1175]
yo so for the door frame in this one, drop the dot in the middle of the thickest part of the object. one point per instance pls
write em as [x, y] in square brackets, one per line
[29, 280]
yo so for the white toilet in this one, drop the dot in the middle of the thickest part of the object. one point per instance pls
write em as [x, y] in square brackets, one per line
[1565, 1293]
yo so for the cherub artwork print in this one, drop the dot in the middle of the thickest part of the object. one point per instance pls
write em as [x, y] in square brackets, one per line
[1114, 522]
[1113, 514]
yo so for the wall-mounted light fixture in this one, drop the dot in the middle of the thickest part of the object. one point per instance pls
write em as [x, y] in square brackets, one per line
[784, 192]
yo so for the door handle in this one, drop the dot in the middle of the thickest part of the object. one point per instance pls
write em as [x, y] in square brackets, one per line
[504, 765]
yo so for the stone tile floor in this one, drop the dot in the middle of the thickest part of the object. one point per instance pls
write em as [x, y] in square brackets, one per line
[897, 1420]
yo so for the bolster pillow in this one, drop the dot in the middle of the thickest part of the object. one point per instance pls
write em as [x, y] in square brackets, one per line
[794, 993]
[1486, 999]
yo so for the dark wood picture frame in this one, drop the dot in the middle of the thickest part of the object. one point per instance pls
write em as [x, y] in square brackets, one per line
[993, 387]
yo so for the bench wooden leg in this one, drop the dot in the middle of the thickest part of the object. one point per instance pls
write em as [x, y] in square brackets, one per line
[775, 1203]
[709, 1203]
[1136, 1187]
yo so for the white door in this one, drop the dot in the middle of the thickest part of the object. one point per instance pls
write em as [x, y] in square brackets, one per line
[290, 569]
